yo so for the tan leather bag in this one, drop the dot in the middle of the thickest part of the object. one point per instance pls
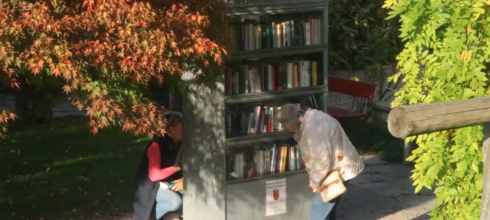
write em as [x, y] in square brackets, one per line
[333, 186]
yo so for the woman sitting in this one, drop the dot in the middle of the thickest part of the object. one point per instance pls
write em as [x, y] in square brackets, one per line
[159, 177]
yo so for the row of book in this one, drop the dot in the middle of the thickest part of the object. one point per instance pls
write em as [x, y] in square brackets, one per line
[269, 77]
[254, 120]
[271, 159]
[253, 35]
[249, 120]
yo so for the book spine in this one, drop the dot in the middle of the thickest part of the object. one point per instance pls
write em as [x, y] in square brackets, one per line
[314, 73]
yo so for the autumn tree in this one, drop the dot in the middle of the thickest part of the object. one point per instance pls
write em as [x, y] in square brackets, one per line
[105, 53]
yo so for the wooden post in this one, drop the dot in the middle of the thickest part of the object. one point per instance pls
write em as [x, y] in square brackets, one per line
[485, 201]
[411, 120]
[203, 152]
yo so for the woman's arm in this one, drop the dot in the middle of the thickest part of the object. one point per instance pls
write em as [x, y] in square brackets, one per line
[320, 151]
[155, 160]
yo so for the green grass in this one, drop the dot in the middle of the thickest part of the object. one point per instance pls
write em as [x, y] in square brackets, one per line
[63, 171]
[374, 139]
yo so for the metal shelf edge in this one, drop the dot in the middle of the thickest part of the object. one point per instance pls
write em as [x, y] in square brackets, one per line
[267, 176]
[276, 8]
[286, 51]
[270, 95]
[250, 139]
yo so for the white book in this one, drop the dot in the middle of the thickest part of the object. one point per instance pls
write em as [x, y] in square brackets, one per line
[298, 158]
[292, 160]
[289, 69]
[307, 73]
[293, 37]
[278, 35]
[257, 82]
[267, 160]
[251, 36]
[303, 77]
[251, 120]
[238, 167]
[285, 33]
[271, 115]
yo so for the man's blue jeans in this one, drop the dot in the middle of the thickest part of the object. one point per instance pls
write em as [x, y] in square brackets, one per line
[167, 201]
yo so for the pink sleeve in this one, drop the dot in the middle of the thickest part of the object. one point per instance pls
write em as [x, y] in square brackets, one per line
[154, 171]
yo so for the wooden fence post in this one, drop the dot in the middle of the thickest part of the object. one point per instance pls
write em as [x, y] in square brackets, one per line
[485, 203]
[409, 120]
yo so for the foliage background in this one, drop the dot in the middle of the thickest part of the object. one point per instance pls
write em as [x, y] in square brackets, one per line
[445, 58]
[360, 39]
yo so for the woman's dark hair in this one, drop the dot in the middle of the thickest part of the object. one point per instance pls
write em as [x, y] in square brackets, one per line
[173, 118]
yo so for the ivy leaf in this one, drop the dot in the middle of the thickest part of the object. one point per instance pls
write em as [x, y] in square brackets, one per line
[475, 167]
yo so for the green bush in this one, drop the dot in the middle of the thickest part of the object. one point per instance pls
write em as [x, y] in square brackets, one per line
[446, 58]
[360, 39]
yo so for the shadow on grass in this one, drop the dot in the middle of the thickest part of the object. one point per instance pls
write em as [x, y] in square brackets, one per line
[64, 171]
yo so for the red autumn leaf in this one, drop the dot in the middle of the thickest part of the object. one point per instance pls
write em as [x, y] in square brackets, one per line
[102, 50]
[56, 72]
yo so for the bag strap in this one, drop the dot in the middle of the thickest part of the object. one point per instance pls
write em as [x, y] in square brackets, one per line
[340, 148]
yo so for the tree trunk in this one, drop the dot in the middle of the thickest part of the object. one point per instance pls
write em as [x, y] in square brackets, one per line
[411, 120]
[485, 203]
[203, 152]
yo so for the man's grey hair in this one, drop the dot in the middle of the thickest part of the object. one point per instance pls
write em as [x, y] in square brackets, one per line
[289, 115]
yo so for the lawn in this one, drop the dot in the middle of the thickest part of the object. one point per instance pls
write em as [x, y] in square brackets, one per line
[65, 172]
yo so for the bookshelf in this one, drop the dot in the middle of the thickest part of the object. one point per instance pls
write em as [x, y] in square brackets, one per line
[280, 55]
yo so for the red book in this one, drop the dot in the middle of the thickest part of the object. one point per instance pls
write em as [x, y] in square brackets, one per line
[269, 123]
[273, 75]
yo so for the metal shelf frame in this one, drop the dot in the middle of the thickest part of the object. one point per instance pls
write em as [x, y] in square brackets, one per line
[257, 138]
[276, 7]
[278, 52]
[274, 95]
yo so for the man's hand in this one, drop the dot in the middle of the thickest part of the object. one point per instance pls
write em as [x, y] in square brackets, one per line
[179, 185]
[177, 169]
[315, 188]
[296, 137]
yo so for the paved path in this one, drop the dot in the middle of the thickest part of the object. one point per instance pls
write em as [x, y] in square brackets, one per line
[384, 191]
